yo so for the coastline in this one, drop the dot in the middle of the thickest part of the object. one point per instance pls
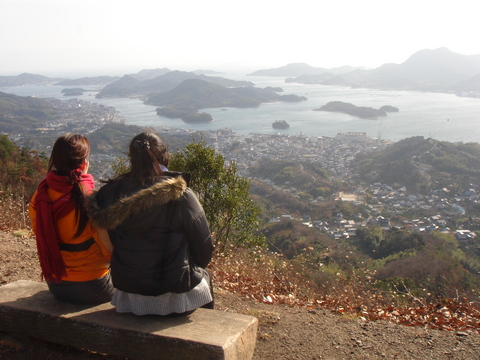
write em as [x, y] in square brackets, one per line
[432, 115]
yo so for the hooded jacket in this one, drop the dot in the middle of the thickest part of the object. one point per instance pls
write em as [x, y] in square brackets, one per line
[160, 236]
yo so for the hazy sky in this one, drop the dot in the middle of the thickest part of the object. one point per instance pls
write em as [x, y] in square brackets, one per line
[113, 37]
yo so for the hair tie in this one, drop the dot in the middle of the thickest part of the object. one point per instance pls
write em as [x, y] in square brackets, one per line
[75, 176]
[141, 144]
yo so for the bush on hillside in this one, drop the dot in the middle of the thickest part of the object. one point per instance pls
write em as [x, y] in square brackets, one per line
[21, 170]
[231, 213]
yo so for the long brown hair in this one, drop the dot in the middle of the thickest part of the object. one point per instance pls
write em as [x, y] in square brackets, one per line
[147, 152]
[69, 153]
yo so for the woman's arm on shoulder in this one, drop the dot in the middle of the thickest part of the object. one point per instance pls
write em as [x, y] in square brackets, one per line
[103, 240]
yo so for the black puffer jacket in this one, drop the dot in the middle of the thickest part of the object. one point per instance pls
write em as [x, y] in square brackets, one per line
[160, 236]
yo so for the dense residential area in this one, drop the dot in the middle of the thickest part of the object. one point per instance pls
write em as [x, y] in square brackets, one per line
[436, 210]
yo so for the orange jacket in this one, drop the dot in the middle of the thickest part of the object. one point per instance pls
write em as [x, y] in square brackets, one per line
[84, 265]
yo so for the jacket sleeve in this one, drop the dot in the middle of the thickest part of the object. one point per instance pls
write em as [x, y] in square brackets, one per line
[199, 239]
[104, 236]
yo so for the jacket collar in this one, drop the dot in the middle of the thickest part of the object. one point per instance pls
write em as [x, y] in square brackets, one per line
[172, 188]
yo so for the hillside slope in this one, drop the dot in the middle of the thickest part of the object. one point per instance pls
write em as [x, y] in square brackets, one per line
[415, 161]
[285, 332]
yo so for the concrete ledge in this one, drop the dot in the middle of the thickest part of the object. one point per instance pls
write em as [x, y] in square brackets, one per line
[28, 308]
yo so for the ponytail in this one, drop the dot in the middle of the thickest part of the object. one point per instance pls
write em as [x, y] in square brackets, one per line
[69, 153]
[147, 154]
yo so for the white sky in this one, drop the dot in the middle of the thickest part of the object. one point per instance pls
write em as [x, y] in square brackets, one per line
[114, 37]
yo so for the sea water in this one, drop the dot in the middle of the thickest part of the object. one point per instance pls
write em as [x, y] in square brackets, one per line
[432, 115]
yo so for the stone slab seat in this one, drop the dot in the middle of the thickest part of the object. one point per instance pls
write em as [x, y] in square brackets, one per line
[28, 308]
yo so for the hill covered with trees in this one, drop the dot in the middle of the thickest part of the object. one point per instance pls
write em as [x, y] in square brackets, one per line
[422, 165]
[20, 113]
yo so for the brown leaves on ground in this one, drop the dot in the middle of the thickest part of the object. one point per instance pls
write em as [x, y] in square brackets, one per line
[271, 279]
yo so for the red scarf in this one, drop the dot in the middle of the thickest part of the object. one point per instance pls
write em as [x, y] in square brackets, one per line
[47, 214]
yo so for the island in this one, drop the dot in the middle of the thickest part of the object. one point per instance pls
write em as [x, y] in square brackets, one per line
[389, 108]
[357, 111]
[136, 86]
[73, 92]
[198, 118]
[192, 95]
[280, 124]
[274, 88]
[187, 114]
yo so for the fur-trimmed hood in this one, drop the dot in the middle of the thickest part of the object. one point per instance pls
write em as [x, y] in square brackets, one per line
[172, 188]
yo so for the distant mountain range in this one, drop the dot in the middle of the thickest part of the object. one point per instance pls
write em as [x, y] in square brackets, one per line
[98, 80]
[25, 79]
[299, 69]
[131, 86]
[181, 94]
[34, 79]
[439, 70]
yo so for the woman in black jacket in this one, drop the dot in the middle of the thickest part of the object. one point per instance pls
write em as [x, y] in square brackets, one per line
[159, 234]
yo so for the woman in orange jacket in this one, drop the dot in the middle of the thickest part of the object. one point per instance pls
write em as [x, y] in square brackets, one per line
[74, 261]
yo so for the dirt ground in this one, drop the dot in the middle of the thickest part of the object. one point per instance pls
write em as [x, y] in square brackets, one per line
[284, 332]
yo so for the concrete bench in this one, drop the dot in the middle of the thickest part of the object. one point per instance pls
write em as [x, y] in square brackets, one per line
[28, 308]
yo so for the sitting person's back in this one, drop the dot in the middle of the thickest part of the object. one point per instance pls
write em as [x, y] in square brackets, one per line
[74, 262]
[160, 236]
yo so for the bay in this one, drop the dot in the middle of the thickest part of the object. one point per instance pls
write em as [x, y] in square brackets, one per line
[432, 115]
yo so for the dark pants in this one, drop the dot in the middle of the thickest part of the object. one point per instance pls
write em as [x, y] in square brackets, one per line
[91, 292]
